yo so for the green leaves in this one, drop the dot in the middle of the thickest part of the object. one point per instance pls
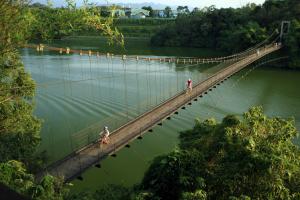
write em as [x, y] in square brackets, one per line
[56, 23]
[246, 26]
[293, 43]
[197, 195]
[14, 174]
[19, 129]
[249, 158]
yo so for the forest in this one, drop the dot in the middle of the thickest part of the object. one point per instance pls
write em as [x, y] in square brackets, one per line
[233, 30]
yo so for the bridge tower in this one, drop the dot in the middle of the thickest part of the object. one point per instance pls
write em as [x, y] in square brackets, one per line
[285, 28]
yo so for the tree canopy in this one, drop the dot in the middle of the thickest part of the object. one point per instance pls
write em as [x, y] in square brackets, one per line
[233, 30]
[249, 158]
[14, 174]
[168, 11]
[18, 127]
[150, 9]
[55, 23]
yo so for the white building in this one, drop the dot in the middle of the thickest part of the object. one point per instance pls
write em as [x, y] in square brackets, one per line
[138, 13]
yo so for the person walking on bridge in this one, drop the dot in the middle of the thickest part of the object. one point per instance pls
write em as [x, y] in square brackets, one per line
[189, 85]
[257, 52]
[104, 135]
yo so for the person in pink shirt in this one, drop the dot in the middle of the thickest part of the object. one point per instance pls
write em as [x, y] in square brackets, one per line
[189, 85]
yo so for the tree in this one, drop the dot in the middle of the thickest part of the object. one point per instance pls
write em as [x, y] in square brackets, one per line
[38, 5]
[195, 10]
[217, 28]
[168, 12]
[247, 36]
[16, 176]
[56, 23]
[19, 129]
[252, 158]
[293, 44]
[149, 8]
[182, 10]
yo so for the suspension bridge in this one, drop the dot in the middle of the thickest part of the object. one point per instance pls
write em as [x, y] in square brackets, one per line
[72, 165]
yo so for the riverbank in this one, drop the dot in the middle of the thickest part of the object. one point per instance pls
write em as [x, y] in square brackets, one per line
[134, 27]
[133, 46]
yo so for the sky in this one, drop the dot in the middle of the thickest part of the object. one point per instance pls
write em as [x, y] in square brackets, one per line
[190, 3]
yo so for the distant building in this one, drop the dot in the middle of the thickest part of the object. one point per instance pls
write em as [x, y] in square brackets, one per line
[159, 13]
[138, 13]
[162, 14]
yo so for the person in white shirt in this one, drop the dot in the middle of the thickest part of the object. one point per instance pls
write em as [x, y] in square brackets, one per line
[104, 135]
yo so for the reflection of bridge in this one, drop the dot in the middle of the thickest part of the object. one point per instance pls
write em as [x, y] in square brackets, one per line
[75, 163]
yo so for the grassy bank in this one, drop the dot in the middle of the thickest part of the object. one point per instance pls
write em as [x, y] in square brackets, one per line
[134, 27]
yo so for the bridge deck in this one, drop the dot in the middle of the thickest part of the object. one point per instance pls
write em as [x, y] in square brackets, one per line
[77, 162]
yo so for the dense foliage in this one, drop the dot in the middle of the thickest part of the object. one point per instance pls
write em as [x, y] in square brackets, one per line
[147, 27]
[252, 158]
[14, 174]
[19, 129]
[293, 44]
[150, 9]
[55, 23]
[234, 30]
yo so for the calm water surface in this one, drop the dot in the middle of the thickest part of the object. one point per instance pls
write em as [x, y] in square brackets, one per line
[78, 95]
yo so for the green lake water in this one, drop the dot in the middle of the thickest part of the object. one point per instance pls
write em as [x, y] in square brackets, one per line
[78, 95]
